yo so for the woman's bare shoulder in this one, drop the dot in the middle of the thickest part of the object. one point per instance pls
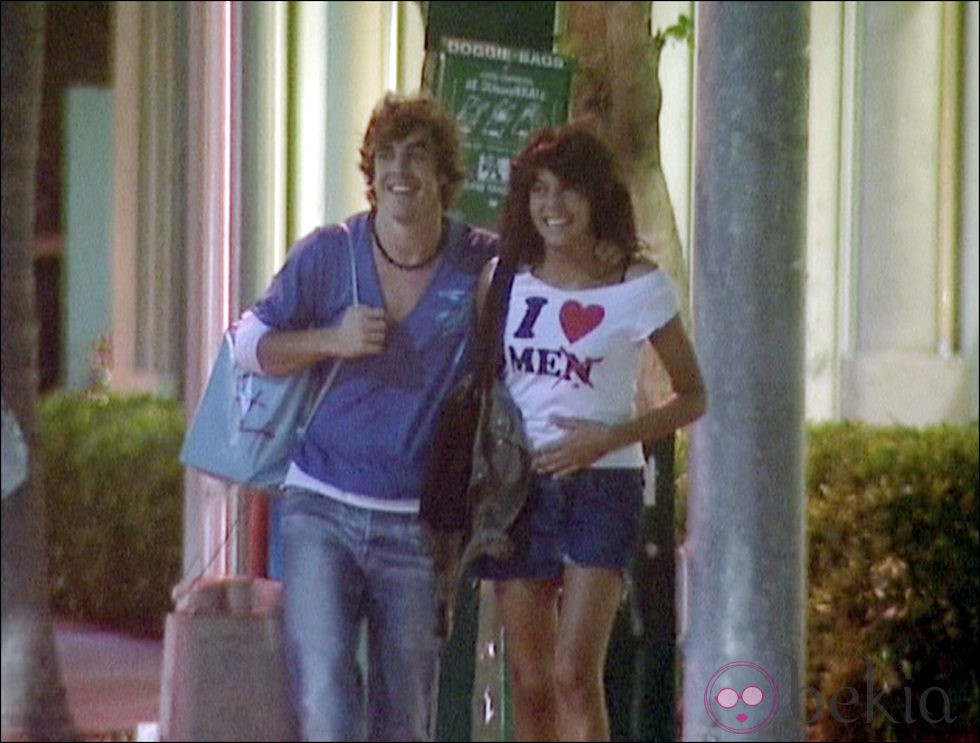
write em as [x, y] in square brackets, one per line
[640, 266]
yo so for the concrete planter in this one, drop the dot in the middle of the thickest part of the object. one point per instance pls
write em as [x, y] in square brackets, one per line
[224, 670]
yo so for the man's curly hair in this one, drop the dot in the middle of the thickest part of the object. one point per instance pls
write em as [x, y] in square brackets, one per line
[394, 118]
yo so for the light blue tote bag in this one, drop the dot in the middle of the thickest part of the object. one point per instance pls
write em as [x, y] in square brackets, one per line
[247, 425]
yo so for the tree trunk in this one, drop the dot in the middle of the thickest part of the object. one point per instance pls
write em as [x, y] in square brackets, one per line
[34, 702]
[618, 85]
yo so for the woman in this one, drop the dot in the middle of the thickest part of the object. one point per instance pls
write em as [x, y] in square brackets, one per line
[582, 305]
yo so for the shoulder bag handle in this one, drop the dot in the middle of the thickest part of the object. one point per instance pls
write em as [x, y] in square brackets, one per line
[490, 324]
[355, 301]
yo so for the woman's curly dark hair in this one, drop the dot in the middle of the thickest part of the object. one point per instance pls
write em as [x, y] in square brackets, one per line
[394, 118]
[580, 160]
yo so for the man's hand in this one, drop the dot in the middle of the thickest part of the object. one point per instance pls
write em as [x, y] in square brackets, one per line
[361, 332]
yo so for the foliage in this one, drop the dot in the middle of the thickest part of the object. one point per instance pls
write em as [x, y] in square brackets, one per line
[893, 577]
[682, 30]
[891, 523]
[114, 488]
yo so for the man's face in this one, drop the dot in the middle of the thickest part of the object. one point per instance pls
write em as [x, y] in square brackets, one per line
[407, 183]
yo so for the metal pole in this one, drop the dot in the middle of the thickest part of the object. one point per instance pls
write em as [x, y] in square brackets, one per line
[744, 649]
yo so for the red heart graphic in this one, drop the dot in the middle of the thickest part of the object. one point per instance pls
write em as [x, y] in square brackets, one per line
[578, 321]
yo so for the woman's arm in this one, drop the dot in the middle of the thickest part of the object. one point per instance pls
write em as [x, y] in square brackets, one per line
[587, 441]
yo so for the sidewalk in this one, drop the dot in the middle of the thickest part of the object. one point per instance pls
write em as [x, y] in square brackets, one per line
[112, 681]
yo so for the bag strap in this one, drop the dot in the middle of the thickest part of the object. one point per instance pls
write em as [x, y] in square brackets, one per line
[490, 325]
[355, 301]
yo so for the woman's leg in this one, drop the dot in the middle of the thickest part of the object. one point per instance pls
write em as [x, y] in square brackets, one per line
[601, 532]
[528, 612]
[590, 601]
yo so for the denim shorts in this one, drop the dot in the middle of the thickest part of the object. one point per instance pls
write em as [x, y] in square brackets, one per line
[591, 519]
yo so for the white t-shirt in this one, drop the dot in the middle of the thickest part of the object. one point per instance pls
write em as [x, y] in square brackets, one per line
[575, 352]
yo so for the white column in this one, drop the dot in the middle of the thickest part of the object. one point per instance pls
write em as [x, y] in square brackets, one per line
[824, 207]
[308, 136]
[211, 511]
[264, 164]
[356, 67]
[900, 367]
[969, 244]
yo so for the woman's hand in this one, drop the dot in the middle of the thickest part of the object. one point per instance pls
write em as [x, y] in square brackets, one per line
[585, 441]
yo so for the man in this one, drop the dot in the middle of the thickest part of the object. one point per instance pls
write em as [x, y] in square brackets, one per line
[352, 543]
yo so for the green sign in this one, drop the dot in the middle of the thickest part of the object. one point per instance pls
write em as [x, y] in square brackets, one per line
[498, 96]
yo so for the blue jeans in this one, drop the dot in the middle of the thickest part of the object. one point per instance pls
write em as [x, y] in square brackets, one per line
[344, 566]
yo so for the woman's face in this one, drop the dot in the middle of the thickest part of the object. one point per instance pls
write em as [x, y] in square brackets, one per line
[561, 214]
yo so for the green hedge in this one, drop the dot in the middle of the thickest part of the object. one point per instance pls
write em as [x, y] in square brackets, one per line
[893, 578]
[114, 490]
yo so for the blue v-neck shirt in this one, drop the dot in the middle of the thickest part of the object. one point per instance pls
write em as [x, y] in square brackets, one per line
[371, 432]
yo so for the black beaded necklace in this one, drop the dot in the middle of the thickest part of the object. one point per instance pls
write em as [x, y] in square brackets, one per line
[401, 266]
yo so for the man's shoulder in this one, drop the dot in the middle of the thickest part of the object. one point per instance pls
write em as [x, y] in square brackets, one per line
[328, 238]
